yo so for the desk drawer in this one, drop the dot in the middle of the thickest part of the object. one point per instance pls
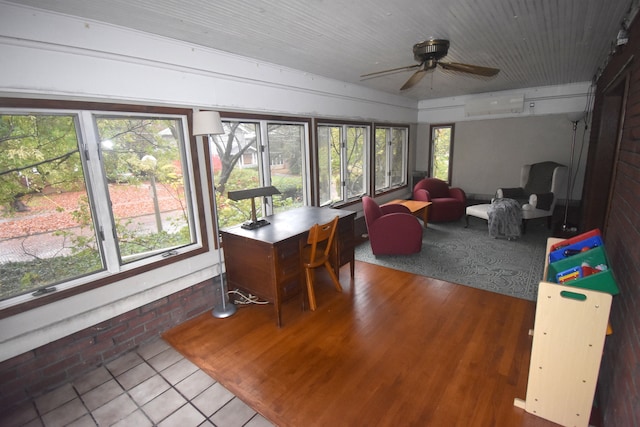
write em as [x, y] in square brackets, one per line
[288, 255]
[249, 266]
[288, 271]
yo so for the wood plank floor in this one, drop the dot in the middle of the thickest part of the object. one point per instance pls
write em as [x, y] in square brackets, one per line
[393, 349]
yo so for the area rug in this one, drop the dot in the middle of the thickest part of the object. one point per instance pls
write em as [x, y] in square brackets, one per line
[469, 256]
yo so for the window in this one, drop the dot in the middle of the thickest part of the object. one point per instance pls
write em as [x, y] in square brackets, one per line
[441, 146]
[390, 157]
[86, 194]
[342, 162]
[256, 153]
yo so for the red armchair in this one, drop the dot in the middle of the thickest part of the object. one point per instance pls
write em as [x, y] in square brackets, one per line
[392, 229]
[448, 203]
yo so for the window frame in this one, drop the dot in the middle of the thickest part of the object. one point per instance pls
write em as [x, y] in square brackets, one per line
[389, 158]
[24, 302]
[366, 173]
[432, 129]
[262, 121]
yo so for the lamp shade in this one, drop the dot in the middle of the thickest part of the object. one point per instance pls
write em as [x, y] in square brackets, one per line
[576, 117]
[207, 123]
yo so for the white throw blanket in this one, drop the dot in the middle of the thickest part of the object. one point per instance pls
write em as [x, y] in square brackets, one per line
[505, 218]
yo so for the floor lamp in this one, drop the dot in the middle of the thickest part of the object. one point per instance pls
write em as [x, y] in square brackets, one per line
[574, 118]
[207, 123]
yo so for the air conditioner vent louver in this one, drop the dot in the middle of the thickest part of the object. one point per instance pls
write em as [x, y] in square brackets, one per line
[497, 105]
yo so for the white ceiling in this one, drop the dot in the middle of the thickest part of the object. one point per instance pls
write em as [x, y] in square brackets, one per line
[533, 42]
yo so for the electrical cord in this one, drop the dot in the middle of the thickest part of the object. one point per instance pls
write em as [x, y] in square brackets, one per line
[246, 299]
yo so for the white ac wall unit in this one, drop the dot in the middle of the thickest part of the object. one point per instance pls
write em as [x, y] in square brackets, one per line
[497, 105]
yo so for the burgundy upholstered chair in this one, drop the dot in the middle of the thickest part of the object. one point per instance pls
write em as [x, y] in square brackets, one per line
[449, 203]
[392, 229]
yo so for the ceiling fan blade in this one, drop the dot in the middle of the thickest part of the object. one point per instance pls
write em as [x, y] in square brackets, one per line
[471, 69]
[414, 79]
[377, 73]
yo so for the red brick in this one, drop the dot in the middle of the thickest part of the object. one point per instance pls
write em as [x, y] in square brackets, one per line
[153, 305]
[107, 324]
[125, 317]
[159, 320]
[76, 347]
[97, 349]
[128, 334]
[61, 366]
[52, 346]
[172, 305]
[84, 366]
[107, 335]
[17, 360]
[145, 337]
[141, 319]
[118, 350]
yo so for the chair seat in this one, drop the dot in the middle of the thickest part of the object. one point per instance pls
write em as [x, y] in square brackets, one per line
[540, 186]
[448, 203]
[392, 229]
[478, 211]
[446, 209]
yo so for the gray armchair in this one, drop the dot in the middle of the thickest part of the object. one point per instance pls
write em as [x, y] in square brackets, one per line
[540, 186]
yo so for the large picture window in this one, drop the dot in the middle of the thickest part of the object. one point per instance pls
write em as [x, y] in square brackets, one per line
[85, 194]
[342, 162]
[390, 157]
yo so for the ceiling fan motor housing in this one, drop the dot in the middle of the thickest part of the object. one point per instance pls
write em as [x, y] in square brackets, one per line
[430, 49]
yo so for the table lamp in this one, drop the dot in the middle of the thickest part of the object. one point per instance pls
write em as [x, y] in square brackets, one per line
[252, 194]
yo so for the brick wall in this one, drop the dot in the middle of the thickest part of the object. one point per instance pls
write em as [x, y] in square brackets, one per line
[619, 384]
[52, 365]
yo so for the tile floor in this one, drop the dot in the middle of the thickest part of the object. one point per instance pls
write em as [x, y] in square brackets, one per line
[153, 386]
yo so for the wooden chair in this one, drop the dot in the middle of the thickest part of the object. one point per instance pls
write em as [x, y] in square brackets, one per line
[316, 254]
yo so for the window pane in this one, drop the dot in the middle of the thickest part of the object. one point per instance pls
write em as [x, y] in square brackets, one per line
[355, 161]
[441, 143]
[381, 159]
[286, 164]
[329, 138]
[236, 166]
[46, 231]
[398, 156]
[147, 184]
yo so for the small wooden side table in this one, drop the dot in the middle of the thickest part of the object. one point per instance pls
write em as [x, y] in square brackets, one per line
[417, 208]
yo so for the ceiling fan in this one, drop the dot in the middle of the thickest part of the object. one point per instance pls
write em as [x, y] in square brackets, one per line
[428, 53]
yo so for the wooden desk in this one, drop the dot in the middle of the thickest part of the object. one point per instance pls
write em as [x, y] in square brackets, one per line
[417, 208]
[266, 261]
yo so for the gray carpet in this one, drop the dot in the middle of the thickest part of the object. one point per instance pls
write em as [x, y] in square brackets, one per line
[469, 256]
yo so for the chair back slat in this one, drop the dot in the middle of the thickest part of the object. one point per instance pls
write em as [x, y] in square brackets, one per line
[321, 236]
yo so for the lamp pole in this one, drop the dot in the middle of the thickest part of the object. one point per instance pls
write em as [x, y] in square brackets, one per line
[207, 123]
[574, 118]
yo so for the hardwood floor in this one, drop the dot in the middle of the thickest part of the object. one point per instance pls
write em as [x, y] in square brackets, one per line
[391, 349]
